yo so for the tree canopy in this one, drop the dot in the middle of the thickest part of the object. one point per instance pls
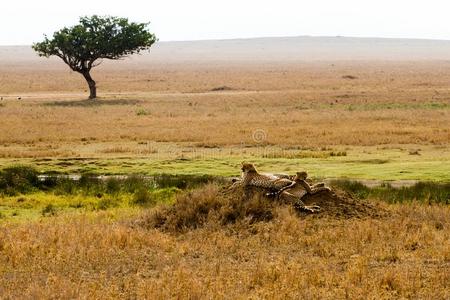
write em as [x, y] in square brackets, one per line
[84, 45]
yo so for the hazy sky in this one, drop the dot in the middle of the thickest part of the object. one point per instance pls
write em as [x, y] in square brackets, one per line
[24, 22]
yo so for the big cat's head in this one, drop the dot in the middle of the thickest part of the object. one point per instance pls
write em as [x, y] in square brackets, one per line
[301, 175]
[247, 167]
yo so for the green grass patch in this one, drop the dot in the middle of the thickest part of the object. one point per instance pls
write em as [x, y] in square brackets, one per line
[24, 179]
[428, 192]
[24, 196]
[381, 163]
[44, 204]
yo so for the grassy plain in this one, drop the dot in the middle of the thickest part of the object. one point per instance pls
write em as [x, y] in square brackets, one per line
[391, 121]
[360, 119]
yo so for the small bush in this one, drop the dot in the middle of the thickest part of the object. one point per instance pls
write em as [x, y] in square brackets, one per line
[142, 112]
[338, 153]
[66, 186]
[105, 203]
[221, 88]
[165, 195]
[113, 186]
[49, 210]
[143, 198]
[18, 179]
[49, 183]
[77, 205]
[182, 181]
[91, 185]
[356, 188]
[194, 209]
[135, 183]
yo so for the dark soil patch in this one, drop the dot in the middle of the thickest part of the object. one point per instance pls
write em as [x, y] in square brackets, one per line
[221, 88]
[339, 204]
[92, 103]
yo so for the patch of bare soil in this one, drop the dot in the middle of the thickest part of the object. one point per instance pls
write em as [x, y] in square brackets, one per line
[335, 203]
[341, 204]
[215, 205]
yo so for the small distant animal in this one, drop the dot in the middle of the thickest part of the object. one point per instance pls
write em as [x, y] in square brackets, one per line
[19, 98]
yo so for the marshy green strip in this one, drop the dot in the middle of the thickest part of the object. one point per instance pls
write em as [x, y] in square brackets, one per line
[24, 196]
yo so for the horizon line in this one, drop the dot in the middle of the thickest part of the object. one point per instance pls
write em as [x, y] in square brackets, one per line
[275, 37]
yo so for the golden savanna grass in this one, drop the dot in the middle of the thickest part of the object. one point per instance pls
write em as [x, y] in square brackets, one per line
[299, 104]
[405, 255]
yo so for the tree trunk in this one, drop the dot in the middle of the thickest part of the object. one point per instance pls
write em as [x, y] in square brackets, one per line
[91, 83]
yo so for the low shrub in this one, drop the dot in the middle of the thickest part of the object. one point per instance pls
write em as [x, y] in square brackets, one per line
[134, 183]
[143, 198]
[356, 188]
[105, 203]
[183, 181]
[113, 186]
[209, 205]
[66, 186]
[421, 191]
[18, 179]
[91, 185]
[49, 210]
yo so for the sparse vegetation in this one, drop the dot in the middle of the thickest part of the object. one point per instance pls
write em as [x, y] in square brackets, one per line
[221, 88]
[49, 210]
[142, 112]
[143, 198]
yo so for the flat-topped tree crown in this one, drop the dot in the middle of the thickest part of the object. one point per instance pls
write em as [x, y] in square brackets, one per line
[84, 45]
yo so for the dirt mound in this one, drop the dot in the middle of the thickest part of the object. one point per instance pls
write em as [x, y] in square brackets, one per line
[340, 204]
[335, 203]
[214, 205]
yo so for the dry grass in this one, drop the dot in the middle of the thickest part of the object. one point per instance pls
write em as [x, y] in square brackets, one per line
[304, 104]
[406, 255]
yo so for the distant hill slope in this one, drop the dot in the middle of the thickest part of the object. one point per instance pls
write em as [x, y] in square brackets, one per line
[277, 49]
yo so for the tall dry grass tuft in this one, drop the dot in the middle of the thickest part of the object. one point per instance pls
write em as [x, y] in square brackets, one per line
[211, 205]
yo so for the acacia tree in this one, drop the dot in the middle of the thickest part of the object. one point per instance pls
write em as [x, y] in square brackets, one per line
[84, 45]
